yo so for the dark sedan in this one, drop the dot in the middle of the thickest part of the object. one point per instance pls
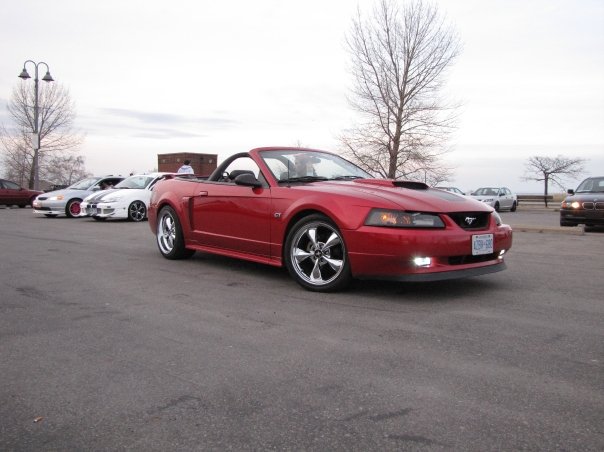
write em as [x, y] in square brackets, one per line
[585, 205]
[12, 193]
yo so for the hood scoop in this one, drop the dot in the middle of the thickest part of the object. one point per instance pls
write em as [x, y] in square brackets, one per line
[411, 185]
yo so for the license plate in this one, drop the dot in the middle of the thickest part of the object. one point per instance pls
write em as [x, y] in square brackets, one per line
[482, 244]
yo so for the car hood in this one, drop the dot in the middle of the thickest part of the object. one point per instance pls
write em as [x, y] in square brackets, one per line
[586, 196]
[97, 195]
[483, 197]
[410, 196]
[65, 192]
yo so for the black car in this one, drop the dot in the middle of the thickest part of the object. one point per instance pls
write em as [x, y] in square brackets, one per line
[585, 205]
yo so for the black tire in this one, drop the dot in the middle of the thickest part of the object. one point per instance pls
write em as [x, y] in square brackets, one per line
[72, 209]
[497, 207]
[99, 218]
[137, 211]
[50, 215]
[315, 255]
[169, 236]
[567, 223]
[514, 205]
[22, 206]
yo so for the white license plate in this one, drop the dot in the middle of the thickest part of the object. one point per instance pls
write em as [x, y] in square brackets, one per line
[482, 244]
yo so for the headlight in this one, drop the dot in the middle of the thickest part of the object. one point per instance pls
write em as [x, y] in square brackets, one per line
[56, 198]
[497, 218]
[571, 204]
[400, 219]
[109, 199]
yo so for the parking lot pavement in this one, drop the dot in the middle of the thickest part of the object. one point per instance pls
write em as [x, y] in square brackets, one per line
[105, 345]
[538, 219]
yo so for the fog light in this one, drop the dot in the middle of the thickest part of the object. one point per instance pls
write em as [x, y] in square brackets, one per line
[501, 253]
[422, 261]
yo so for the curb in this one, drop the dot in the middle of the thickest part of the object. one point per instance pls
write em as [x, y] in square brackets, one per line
[546, 230]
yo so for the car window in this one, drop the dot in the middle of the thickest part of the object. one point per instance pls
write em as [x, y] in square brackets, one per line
[84, 184]
[11, 185]
[240, 166]
[592, 185]
[137, 182]
[282, 163]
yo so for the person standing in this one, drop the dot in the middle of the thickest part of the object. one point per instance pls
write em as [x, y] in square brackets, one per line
[186, 168]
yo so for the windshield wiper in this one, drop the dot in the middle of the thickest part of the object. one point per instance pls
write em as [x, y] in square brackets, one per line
[349, 177]
[304, 179]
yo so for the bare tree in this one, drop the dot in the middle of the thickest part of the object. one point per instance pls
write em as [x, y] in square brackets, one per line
[57, 136]
[66, 169]
[552, 169]
[399, 59]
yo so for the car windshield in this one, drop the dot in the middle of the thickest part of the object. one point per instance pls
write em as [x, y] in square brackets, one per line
[84, 184]
[486, 191]
[309, 166]
[135, 182]
[592, 185]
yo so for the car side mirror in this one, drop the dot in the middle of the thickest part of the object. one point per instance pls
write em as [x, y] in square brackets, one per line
[248, 180]
[570, 191]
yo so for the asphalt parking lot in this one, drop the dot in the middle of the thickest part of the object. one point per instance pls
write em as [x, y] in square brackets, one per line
[105, 345]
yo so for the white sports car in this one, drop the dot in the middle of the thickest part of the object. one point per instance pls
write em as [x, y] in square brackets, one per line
[128, 200]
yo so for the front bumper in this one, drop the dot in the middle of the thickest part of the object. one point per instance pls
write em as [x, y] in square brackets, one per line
[49, 207]
[104, 210]
[388, 253]
[590, 217]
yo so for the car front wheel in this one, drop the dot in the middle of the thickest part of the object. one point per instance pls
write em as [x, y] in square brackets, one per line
[514, 206]
[72, 209]
[315, 255]
[170, 239]
[137, 211]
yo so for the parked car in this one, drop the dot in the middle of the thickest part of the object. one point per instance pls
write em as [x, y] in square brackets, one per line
[326, 220]
[585, 205]
[128, 200]
[499, 198]
[452, 190]
[67, 201]
[12, 193]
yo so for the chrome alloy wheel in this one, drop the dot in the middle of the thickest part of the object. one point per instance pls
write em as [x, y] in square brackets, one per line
[317, 253]
[137, 211]
[166, 232]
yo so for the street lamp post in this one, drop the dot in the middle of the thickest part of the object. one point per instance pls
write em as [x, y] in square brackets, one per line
[36, 133]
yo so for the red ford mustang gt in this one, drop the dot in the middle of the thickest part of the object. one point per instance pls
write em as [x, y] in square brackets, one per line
[326, 220]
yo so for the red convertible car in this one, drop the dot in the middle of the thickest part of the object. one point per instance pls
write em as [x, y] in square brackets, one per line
[326, 220]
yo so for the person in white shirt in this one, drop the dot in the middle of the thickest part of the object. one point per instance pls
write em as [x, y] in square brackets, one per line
[186, 168]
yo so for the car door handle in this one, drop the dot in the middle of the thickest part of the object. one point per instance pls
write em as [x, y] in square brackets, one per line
[203, 193]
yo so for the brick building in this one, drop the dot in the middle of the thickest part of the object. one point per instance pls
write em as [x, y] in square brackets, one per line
[203, 164]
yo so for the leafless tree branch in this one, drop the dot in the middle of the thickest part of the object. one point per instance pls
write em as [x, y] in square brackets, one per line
[399, 59]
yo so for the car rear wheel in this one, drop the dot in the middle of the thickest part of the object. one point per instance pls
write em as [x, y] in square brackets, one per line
[170, 239]
[137, 211]
[72, 209]
[315, 255]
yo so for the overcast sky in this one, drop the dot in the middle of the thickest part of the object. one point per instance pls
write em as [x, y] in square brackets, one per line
[221, 77]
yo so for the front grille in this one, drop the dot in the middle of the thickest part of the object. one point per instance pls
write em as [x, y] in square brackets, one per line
[600, 206]
[588, 205]
[469, 259]
[471, 220]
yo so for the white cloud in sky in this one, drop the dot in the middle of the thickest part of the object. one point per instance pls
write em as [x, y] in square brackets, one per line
[151, 77]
